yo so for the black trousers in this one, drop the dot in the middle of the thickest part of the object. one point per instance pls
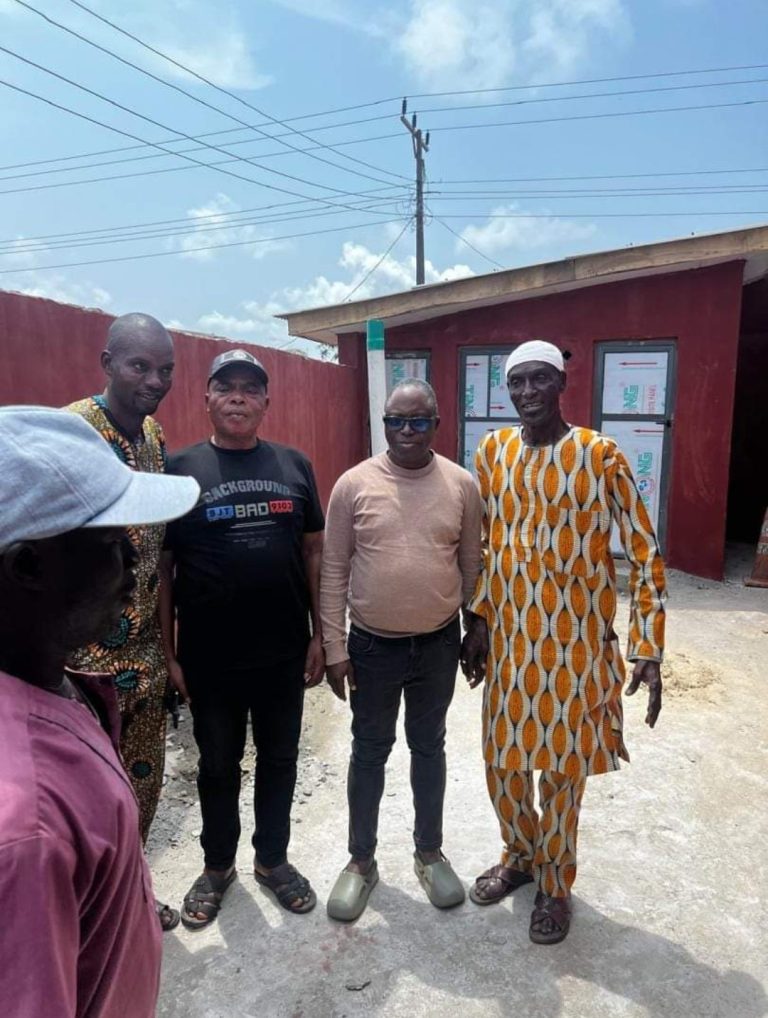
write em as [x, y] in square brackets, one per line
[422, 670]
[273, 697]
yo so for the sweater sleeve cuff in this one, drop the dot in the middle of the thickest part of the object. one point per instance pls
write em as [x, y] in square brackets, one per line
[336, 652]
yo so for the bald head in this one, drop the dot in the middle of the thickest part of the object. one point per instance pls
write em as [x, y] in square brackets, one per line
[128, 330]
[138, 363]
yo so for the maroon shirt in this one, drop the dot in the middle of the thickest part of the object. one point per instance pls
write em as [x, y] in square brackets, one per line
[79, 937]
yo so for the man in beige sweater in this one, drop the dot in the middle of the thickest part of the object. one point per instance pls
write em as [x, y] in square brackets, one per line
[402, 552]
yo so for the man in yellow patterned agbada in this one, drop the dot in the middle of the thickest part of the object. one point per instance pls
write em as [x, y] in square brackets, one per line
[138, 364]
[540, 630]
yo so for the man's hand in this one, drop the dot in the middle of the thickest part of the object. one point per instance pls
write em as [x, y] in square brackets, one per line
[176, 679]
[648, 672]
[474, 649]
[336, 675]
[315, 664]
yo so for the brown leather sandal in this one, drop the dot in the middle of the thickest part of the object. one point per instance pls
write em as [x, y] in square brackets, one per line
[550, 919]
[496, 883]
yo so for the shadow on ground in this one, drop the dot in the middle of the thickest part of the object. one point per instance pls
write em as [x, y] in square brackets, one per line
[468, 961]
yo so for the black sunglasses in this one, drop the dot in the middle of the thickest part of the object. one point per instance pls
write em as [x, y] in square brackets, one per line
[418, 424]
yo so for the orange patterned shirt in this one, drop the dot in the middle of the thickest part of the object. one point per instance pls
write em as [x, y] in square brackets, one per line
[552, 698]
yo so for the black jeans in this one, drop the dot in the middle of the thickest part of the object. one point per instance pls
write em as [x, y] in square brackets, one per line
[221, 704]
[423, 669]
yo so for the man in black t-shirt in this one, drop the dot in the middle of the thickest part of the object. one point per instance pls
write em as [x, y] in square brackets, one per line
[242, 571]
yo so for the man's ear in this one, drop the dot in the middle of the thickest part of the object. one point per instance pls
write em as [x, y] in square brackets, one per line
[437, 423]
[563, 381]
[106, 362]
[23, 566]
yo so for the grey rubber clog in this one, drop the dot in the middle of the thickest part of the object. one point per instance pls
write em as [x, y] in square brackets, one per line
[349, 896]
[443, 887]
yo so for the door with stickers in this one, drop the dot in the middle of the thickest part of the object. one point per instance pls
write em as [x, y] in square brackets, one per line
[484, 403]
[404, 364]
[634, 403]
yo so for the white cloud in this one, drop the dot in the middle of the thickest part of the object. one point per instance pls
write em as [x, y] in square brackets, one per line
[336, 12]
[206, 37]
[254, 321]
[257, 324]
[57, 287]
[541, 230]
[447, 42]
[24, 255]
[225, 60]
[391, 275]
[561, 31]
[213, 226]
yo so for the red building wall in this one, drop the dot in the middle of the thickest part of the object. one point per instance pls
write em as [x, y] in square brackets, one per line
[50, 355]
[700, 309]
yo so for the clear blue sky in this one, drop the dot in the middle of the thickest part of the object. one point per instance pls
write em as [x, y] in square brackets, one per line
[288, 60]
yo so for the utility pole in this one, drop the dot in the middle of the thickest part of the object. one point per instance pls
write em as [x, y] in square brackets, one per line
[420, 146]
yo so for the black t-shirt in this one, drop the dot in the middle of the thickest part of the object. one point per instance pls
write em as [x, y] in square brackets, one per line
[240, 588]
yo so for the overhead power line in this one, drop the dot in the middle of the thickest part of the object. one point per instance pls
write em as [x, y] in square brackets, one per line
[587, 95]
[213, 247]
[218, 88]
[153, 155]
[479, 214]
[590, 81]
[227, 216]
[437, 195]
[190, 229]
[127, 134]
[193, 165]
[602, 116]
[197, 164]
[308, 131]
[601, 176]
[192, 97]
[196, 137]
[501, 180]
[464, 240]
[276, 212]
[381, 260]
[156, 123]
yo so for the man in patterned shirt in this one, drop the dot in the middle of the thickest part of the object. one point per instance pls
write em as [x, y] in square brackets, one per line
[138, 364]
[540, 630]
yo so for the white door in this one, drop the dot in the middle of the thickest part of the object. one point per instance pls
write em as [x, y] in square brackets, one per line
[635, 395]
[484, 399]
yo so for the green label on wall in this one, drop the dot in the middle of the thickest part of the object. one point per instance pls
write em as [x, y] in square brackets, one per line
[375, 334]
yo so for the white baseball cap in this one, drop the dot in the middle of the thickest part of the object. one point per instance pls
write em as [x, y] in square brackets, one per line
[58, 474]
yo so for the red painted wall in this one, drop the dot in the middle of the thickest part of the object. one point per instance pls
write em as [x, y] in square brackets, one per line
[700, 309]
[50, 355]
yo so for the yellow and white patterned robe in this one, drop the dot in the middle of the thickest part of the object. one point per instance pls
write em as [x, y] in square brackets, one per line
[552, 698]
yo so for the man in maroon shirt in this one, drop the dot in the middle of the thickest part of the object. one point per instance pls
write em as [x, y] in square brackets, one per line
[79, 937]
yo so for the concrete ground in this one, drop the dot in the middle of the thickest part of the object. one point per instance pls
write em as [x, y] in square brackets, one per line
[669, 903]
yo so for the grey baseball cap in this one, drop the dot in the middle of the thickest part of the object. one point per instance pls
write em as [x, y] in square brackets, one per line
[59, 475]
[243, 359]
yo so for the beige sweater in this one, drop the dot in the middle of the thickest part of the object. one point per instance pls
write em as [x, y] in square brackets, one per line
[402, 549]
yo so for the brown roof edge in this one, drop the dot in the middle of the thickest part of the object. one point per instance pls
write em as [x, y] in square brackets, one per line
[579, 270]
